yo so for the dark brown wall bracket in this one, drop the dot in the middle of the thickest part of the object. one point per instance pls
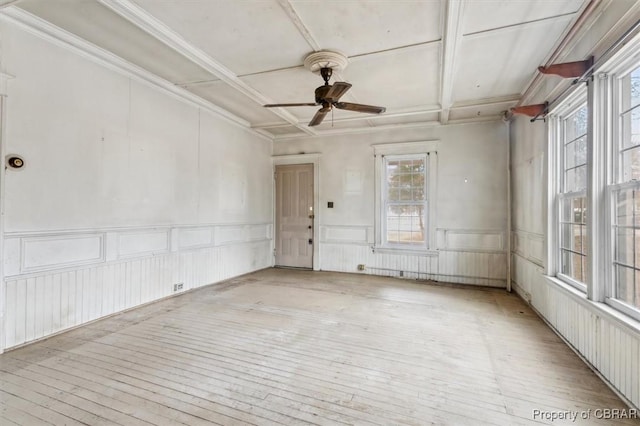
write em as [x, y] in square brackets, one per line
[568, 69]
[531, 110]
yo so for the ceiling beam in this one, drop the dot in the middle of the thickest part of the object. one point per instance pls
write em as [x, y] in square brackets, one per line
[452, 36]
[475, 103]
[145, 21]
[7, 3]
[297, 21]
[404, 126]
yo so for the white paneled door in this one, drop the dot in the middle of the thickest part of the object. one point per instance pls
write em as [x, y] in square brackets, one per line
[294, 215]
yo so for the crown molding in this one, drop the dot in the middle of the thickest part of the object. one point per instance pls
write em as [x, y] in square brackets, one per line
[71, 42]
[406, 126]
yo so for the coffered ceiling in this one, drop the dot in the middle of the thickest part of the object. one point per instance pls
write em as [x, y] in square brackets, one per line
[426, 61]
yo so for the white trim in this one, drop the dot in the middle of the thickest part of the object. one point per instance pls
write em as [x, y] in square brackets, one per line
[66, 40]
[419, 147]
[383, 207]
[452, 38]
[375, 129]
[279, 160]
[3, 171]
[624, 308]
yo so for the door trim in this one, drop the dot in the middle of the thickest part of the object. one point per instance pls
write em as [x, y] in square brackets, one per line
[281, 160]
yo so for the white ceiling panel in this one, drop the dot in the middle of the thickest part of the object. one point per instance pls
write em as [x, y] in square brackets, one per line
[363, 26]
[398, 79]
[500, 63]
[286, 130]
[327, 124]
[294, 85]
[489, 14]
[244, 36]
[106, 29]
[394, 46]
[228, 98]
[406, 119]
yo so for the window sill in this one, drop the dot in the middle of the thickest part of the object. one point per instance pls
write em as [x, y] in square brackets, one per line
[404, 250]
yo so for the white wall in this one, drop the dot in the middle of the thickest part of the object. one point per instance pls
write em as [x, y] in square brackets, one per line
[471, 217]
[608, 341]
[126, 191]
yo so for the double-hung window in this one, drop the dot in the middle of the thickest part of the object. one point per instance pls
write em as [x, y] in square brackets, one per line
[405, 175]
[405, 200]
[625, 192]
[572, 195]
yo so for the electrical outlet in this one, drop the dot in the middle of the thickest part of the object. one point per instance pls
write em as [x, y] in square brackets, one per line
[361, 267]
[178, 286]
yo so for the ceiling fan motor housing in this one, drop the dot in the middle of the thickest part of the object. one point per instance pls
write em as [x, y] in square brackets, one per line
[321, 93]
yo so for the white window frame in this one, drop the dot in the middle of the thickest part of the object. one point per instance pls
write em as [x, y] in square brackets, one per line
[557, 143]
[384, 185]
[607, 107]
[428, 149]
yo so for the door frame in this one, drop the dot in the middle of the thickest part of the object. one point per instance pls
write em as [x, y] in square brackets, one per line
[282, 160]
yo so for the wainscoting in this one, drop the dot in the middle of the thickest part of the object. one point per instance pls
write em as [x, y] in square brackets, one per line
[461, 256]
[603, 337]
[56, 281]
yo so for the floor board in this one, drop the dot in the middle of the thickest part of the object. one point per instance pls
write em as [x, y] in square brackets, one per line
[286, 347]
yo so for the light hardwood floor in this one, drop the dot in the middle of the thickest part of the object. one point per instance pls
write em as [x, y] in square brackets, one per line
[297, 347]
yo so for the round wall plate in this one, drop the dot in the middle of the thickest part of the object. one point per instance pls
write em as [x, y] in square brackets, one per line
[326, 59]
[14, 162]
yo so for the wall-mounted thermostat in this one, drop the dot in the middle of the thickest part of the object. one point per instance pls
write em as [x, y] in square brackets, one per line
[15, 162]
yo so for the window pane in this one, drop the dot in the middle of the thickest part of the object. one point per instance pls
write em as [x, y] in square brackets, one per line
[628, 285]
[575, 179]
[576, 124]
[406, 180]
[574, 210]
[405, 224]
[625, 249]
[630, 90]
[573, 237]
[573, 265]
[627, 204]
[631, 128]
[630, 163]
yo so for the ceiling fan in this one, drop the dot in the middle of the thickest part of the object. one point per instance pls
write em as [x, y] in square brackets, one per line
[328, 95]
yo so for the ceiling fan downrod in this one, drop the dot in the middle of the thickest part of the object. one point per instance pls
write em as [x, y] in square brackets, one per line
[326, 75]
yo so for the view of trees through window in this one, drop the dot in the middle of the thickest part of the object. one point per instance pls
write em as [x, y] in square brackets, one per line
[405, 200]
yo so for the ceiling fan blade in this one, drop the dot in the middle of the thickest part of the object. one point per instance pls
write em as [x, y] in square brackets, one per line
[338, 89]
[289, 105]
[317, 119]
[360, 107]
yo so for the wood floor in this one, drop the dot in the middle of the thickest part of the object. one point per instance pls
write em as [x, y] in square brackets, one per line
[296, 347]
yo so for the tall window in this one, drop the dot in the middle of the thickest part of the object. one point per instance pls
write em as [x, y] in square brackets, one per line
[572, 201]
[405, 200]
[626, 193]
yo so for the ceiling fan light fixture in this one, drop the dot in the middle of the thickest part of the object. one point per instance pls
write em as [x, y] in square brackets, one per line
[326, 59]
